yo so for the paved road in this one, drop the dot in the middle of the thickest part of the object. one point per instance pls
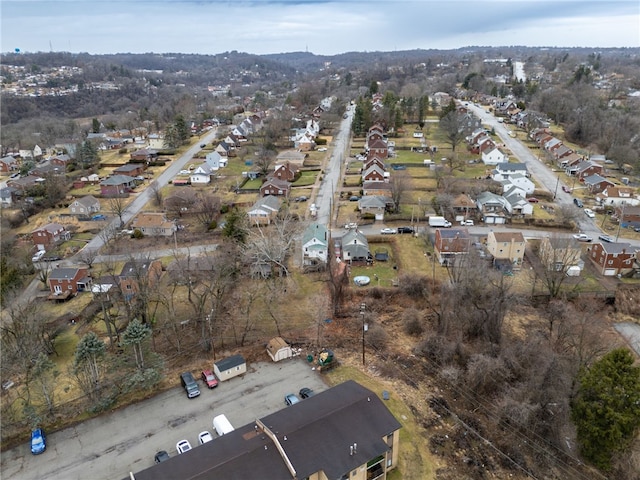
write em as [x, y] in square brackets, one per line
[333, 171]
[110, 446]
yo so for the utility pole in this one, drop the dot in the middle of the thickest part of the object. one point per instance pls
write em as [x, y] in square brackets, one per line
[363, 308]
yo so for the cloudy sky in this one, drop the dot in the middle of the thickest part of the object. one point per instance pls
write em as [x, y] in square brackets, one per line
[318, 26]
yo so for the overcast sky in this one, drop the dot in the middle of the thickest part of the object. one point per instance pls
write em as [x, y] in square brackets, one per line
[318, 26]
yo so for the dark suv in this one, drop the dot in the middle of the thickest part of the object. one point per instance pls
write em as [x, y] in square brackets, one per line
[578, 202]
[189, 384]
[405, 229]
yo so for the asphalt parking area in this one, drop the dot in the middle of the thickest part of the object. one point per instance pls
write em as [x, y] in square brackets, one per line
[112, 445]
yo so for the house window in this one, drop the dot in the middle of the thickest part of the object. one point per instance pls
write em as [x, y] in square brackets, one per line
[610, 262]
[128, 287]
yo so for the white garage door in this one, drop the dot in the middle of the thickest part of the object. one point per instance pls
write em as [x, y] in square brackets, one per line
[609, 272]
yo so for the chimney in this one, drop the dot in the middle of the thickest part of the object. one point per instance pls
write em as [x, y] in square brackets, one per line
[351, 450]
[355, 448]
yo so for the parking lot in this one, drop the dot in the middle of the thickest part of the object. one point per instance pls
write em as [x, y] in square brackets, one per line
[114, 444]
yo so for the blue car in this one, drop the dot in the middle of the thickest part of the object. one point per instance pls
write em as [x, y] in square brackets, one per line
[99, 217]
[38, 441]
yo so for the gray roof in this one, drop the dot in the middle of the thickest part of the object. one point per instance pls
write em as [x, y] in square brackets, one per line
[595, 179]
[315, 230]
[63, 273]
[617, 248]
[507, 166]
[315, 435]
[230, 362]
[117, 180]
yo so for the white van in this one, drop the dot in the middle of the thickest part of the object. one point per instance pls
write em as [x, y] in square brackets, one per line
[39, 254]
[222, 425]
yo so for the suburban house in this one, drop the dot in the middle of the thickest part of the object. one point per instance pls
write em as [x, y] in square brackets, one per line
[155, 141]
[506, 170]
[285, 171]
[137, 275]
[509, 246]
[130, 169]
[203, 172]
[34, 153]
[117, 186]
[524, 185]
[558, 254]
[450, 243]
[300, 441]
[375, 160]
[493, 156]
[568, 160]
[215, 161]
[85, 206]
[275, 186]
[292, 157]
[68, 281]
[22, 184]
[46, 169]
[315, 246]
[49, 235]
[381, 189]
[154, 224]
[613, 258]
[628, 216]
[144, 155]
[615, 195]
[8, 164]
[264, 211]
[66, 145]
[377, 148]
[596, 184]
[517, 204]
[230, 367]
[493, 208]
[375, 174]
[8, 195]
[464, 205]
[585, 169]
[355, 247]
[374, 204]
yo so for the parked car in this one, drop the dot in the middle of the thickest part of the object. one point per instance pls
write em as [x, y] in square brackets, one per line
[578, 202]
[532, 200]
[51, 258]
[204, 437]
[209, 378]
[161, 456]
[322, 149]
[183, 446]
[354, 198]
[301, 198]
[202, 145]
[306, 392]
[290, 399]
[581, 237]
[184, 172]
[566, 189]
[38, 441]
[388, 231]
[605, 238]
[467, 223]
[405, 230]
[189, 384]
[589, 213]
[100, 216]
[38, 256]
[351, 225]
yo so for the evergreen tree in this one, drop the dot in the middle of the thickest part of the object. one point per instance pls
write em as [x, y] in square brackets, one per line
[134, 335]
[606, 410]
[95, 126]
[182, 129]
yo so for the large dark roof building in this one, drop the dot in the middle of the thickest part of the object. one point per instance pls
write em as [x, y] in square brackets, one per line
[345, 432]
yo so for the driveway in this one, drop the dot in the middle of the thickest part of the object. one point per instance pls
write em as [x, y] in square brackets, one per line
[114, 444]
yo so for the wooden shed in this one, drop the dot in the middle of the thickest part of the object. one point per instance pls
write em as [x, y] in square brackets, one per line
[230, 367]
[278, 349]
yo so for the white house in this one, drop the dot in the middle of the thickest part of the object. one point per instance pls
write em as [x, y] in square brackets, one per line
[523, 183]
[493, 157]
[315, 245]
[616, 196]
[508, 169]
[155, 141]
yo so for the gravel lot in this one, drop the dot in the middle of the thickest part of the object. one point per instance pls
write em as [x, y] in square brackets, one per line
[126, 440]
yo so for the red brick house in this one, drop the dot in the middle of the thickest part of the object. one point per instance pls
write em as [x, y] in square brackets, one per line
[369, 162]
[374, 174]
[130, 169]
[144, 155]
[8, 164]
[73, 280]
[377, 148]
[47, 236]
[60, 161]
[275, 186]
[596, 183]
[137, 275]
[377, 188]
[613, 258]
[450, 243]
[117, 186]
[286, 171]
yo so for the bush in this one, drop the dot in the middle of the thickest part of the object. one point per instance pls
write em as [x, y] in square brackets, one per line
[377, 337]
[412, 322]
[122, 151]
[137, 233]
[224, 209]
[212, 225]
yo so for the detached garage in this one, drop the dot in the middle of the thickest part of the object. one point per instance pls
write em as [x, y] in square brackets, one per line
[278, 349]
[230, 367]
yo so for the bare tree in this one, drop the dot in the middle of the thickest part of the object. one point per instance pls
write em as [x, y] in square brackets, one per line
[118, 207]
[400, 183]
[273, 244]
[452, 127]
[88, 256]
[557, 255]
[156, 193]
[207, 209]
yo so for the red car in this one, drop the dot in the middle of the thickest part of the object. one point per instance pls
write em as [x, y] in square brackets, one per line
[209, 378]
[533, 200]
[566, 189]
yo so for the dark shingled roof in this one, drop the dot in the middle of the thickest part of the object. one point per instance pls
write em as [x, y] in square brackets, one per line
[316, 435]
[230, 362]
